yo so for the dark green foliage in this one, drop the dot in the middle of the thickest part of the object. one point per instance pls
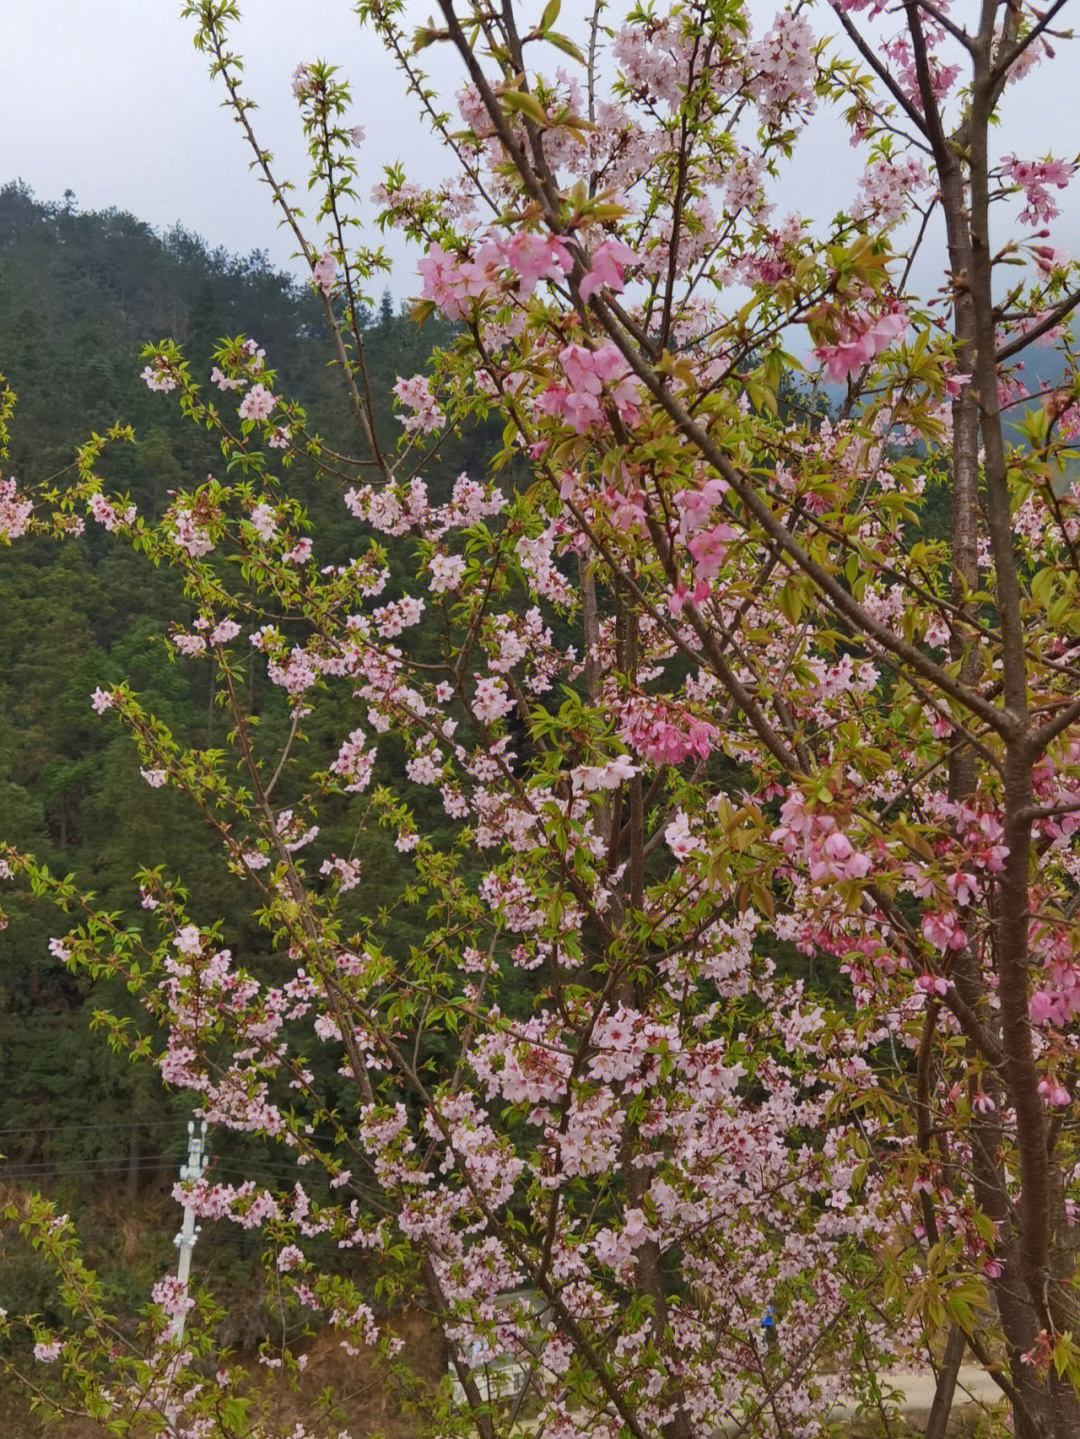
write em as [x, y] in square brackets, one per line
[80, 294]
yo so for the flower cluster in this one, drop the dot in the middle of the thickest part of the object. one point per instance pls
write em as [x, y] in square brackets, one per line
[15, 511]
[1035, 177]
[862, 337]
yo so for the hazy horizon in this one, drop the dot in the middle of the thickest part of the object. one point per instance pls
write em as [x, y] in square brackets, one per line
[113, 102]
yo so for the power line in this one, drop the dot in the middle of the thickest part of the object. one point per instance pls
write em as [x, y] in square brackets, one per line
[282, 1168]
[43, 1168]
[110, 1124]
[259, 1170]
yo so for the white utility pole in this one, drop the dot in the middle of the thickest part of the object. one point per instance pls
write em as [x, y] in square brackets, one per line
[191, 1172]
[185, 1241]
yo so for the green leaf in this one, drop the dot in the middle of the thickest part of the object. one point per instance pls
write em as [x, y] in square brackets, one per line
[790, 601]
[521, 103]
[1043, 586]
[567, 46]
[234, 1410]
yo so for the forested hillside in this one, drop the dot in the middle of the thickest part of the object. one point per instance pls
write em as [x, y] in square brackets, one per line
[80, 294]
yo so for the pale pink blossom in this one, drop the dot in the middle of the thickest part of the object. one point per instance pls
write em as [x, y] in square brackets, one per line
[158, 376]
[289, 1258]
[15, 511]
[446, 572]
[264, 520]
[324, 272]
[257, 404]
[415, 394]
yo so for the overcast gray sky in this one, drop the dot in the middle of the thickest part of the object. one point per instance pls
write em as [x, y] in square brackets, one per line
[110, 99]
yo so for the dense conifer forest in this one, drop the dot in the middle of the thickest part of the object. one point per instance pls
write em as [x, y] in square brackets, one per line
[80, 294]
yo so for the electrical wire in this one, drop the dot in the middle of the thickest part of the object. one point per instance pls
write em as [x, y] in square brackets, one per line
[92, 1124]
[265, 1172]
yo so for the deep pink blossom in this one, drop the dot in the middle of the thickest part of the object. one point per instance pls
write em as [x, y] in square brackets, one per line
[863, 337]
[609, 259]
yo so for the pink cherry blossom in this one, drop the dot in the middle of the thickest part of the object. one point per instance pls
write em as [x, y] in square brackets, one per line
[257, 404]
[709, 549]
[15, 511]
[415, 394]
[609, 259]
[1035, 177]
[324, 272]
[863, 337]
